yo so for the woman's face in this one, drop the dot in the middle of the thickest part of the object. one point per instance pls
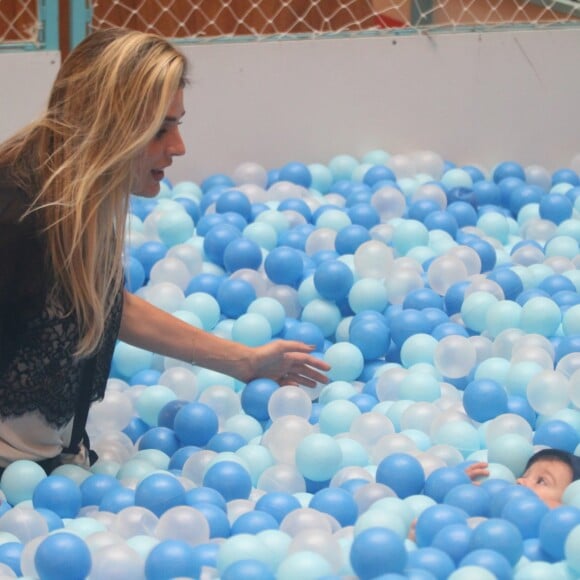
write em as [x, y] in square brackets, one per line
[159, 154]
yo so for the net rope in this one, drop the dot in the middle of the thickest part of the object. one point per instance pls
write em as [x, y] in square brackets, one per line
[211, 20]
[19, 21]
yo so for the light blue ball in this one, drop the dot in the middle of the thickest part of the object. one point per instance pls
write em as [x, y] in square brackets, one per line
[346, 361]
[318, 457]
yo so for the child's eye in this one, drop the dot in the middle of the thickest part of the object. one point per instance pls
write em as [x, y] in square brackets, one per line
[541, 481]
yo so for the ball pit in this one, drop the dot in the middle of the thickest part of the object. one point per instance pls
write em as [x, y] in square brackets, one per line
[446, 300]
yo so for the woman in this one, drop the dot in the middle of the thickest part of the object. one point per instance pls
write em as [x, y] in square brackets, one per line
[111, 128]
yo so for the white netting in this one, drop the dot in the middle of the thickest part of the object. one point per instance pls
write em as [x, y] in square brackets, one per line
[19, 21]
[262, 19]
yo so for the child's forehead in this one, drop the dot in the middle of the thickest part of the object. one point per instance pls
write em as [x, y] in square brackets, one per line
[550, 464]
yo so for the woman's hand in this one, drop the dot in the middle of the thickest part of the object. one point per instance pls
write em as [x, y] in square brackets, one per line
[287, 362]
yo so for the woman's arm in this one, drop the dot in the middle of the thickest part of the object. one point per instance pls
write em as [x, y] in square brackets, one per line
[153, 329]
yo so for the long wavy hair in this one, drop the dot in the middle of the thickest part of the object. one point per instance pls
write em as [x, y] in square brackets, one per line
[80, 160]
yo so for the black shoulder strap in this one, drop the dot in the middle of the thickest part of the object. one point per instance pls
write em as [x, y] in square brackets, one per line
[83, 405]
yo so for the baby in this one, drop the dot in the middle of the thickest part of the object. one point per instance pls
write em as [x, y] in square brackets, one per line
[548, 473]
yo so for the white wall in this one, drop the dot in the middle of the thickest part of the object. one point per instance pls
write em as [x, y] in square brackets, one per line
[25, 79]
[474, 98]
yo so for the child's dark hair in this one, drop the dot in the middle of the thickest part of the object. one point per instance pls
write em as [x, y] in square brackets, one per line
[573, 461]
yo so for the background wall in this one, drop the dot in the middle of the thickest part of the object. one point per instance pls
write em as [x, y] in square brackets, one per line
[474, 98]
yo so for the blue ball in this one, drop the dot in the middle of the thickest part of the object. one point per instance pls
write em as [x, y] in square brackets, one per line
[402, 473]
[485, 399]
[297, 173]
[298, 205]
[254, 522]
[419, 210]
[235, 219]
[453, 539]
[53, 520]
[442, 220]
[203, 495]
[363, 215]
[371, 337]
[364, 402]
[526, 513]
[555, 208]
[486, 253]
[333, 279]
[172, 559]
[136, 428]
[461, 194]
[195, 424]
[62, 556]
[10, 555]
[454, 297]
[284, 265]
[216, 241]
[558, 434]
[216, 180]
[422, 298]
[378, 173]
[509, 282]
[247, 570]
[179, 458]
[230, 479]
[487, 193]
[234, 297]
[94, 487]
[338, 503]
[350, 238]
[406, 323]
[234, 201]
[508, 169]
[463, 212]
[190, 206]
[166, 416]
[565, 175]
[145, 377]
[373, 541]
[448, 329]
[501, 536]
[159, 492]
[497, 564]
[505, 494]
[474, 172]
[435, 518]
[205, 282]
[556, 283]
[433, 560]
[520, 406]
[149, 253]
[217, 519]
[554, 529]
[226, 441]
[442, 480]
[242, 253]
[134, 274]
[117, 499]
[256, 396]
[160, 438]
[306, 332]
[58, 494]
[207, 222]
[278, 504]
[523, 195]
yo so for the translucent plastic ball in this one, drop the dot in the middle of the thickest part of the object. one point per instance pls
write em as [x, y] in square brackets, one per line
[195, 424]
[454, 356]
[20, 479]
[444, 271]
[289, 402]
[485, 399]
[402, 473]
[318, 457]
[346, 361]
[58, 494]
[373, 259]
[547, 392]
[371, 542]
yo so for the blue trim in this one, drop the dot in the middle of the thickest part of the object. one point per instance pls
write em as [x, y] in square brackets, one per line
[48, 24]
[81, 16]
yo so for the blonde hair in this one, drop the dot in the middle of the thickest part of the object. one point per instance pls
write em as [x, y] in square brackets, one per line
[107, 103]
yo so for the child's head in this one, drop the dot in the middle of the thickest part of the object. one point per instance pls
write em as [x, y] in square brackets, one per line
[549, 472]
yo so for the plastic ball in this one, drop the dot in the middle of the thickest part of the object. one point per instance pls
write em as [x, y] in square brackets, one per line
[435, 518]
[256, 396]
[346, 361]
[558, 434]
[485, 399]
[230, 479]
[526, 513]
[431, 559]
[235, 296]
[195, 424]
[333, 279]
[488, 560]
[58, 494]
[442, 480]
[547, 392]
[20, 479]
[402, 473]
[555, 528]
[242, 253]
[62, 556]
[454, 356]
[318, 457]
[472, 499]
[371, 542]
[284, 265]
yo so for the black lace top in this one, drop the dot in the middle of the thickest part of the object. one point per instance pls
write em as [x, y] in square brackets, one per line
[38, 371]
